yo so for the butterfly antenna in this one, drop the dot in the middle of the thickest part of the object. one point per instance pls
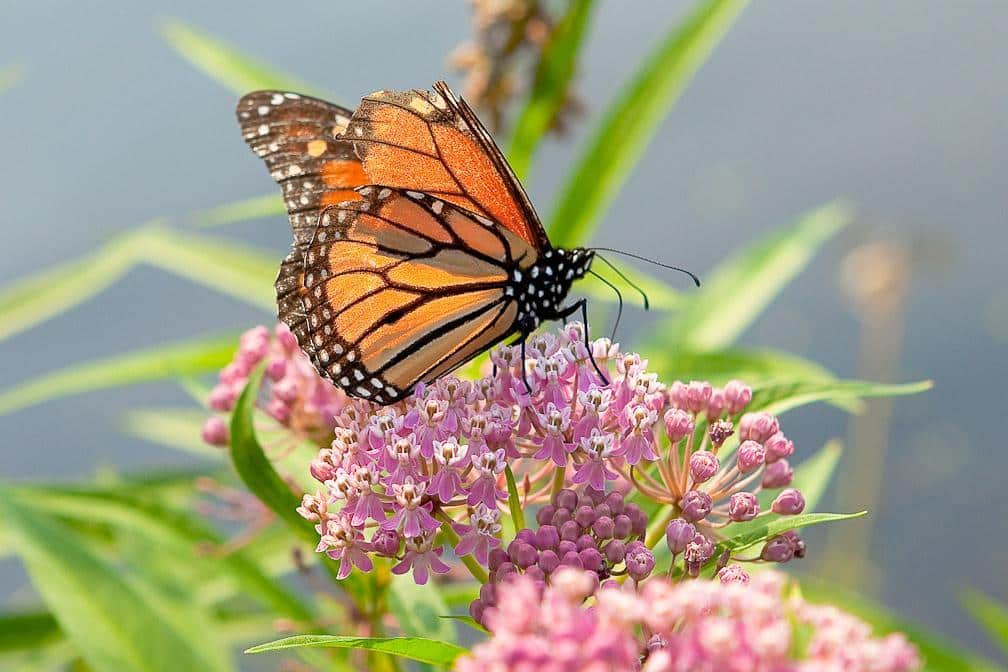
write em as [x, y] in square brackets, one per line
[619, 302]
[650, 261]
[647, 302]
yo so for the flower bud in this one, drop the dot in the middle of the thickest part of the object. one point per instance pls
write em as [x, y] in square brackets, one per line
[523, 555]
[591, 559]
[678, 424]
[603, 527]
[743, 506]
[615, 551]
[386, 543]
[614, 501]
[570, 531]
[585, 516]
[497, 557]
[215, 431]
[789, 502]
[783, 547]
[548, 561]
[566, 546]
[571, 560]
[639, 561]
[678, 534]
[737, 396]
[696, 395]
[638, 520]
[720, 431]
[622, 526]
[561, 516]
[222, 398]
[778, 475]
[585, 541]
[750, 456]
[695, 505]
[276, 368]
[566, 499]
[547, 537]
[778, 447]
[544, 516]
[697, 552]
[536, 573]
[703, 465]
[527, 535]
[733, 574]
[757, 426]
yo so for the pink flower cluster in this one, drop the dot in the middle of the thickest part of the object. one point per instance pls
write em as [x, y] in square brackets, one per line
[696, 626]
[297, 398]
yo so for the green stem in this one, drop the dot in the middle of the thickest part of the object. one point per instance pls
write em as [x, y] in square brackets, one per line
[514, 503]
[656, 530]
[559, 476]
[474, 567]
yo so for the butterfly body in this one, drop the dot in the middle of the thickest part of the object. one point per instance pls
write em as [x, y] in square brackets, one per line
[415, 246]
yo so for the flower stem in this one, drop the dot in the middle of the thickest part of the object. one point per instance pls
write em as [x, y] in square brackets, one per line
[474, 567]
[514, 503]
[558, 480]
[657, 528]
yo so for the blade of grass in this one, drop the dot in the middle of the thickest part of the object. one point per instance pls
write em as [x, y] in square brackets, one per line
[442, 654]
[550, 85]
[741, 287]
[631, 120]
[173, 427]
[224, 63]
[27, 630]
[777, 398]
[116, 621]
[165, 361]
[233, 269]
[270, 205]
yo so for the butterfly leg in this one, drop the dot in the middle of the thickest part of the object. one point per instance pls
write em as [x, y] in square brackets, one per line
[582, 305]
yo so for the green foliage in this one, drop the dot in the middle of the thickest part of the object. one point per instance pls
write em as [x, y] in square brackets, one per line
[166, 361]
[441, 654]
[550, 85]
[171, 427]
[224, 63]
[116, 621]
[990, 614]
[257, 207]
[622, 134]
[741, 287]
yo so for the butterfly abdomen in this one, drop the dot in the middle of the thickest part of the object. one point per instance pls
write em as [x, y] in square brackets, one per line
[541, 288]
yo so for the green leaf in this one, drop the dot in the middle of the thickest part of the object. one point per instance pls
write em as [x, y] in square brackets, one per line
[762, 529]
[39, 296]
[224, 63]
[622, 134]
[270, 205]
[753, 366]
[468, 620]
[179, 534]
[442, 654]
[116, 621]
[142, 366]
[233, 269]
[417, 609]
[9, 76]
[172, 427]
[780, 397]
[514, 501]
[741, 287]
[28, 630]
[940, 655]
[990, 614]
[256, 471]
[550, 86]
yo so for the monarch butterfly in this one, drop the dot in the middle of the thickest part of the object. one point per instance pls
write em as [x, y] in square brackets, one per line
[415, 247]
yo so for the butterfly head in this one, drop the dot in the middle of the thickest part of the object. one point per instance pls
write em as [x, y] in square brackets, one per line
[541, 288]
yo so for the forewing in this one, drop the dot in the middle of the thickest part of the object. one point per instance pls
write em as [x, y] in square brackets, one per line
[432, 142]
[301, 140]
[397, 288]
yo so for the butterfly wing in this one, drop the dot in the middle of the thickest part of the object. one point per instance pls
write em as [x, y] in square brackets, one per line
[301, 140]
[399, 287]
[432, 142]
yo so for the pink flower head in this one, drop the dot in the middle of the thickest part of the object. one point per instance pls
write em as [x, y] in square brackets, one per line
[412, 516]
[554, 445]
[450, 458]
[478, 537]
[638, 443]
[341, 541]
[484, 488]
[422, 558]
[595, 448]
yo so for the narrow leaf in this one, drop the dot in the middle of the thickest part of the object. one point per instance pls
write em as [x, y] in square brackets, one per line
[661, 296]
[37, 297]
[26, 631]
[631, 120]
[257, 207]
[775, 524]
[442, 654]
[417, 609]
[550, 86]
[116, 622]
[231, 268]
[990, 614]
[813, 475]
[224, 63]
[779, 397]
[256, 471]
[468, 620]
[753, 366]
[741, 287]
[165, 361]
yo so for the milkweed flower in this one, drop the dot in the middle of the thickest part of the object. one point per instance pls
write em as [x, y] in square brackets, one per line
[737, 624]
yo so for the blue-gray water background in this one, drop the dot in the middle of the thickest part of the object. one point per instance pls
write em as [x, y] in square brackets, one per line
[900, 106]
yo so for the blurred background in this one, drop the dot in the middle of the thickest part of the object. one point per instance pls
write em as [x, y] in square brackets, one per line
[899, 107]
